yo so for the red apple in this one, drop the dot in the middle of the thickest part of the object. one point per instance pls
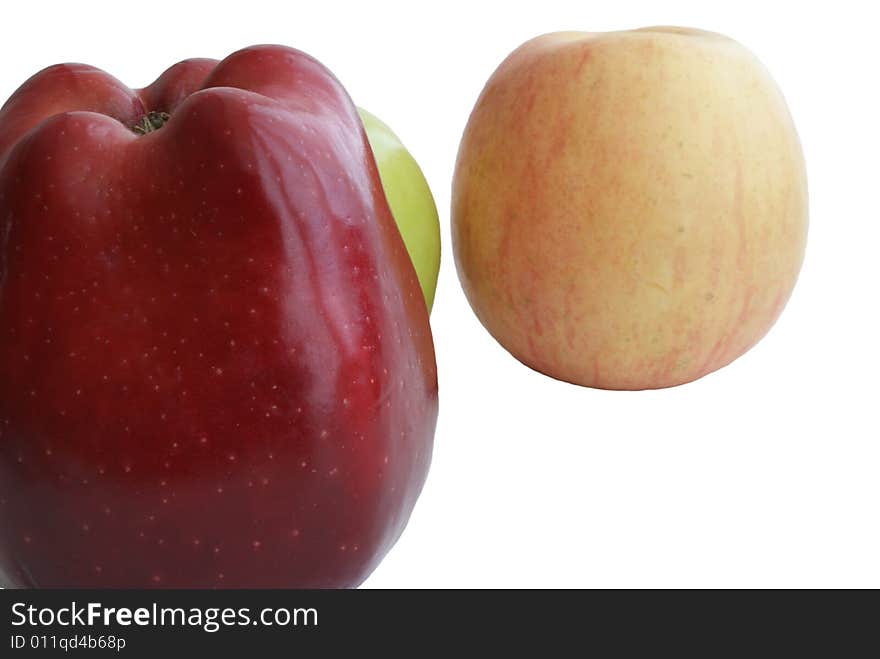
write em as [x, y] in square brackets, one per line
[216, 368]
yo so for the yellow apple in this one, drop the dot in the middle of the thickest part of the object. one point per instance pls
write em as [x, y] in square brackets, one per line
[629, 209]
[410, 201]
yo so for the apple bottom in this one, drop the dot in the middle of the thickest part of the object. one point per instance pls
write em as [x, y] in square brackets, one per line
[268, 520]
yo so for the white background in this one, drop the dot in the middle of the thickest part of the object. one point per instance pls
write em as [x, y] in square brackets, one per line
[764, 474]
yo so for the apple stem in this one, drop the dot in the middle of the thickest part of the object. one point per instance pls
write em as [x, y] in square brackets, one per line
[150, 122]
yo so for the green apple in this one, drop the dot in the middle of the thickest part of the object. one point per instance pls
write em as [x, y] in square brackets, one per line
[411, 202]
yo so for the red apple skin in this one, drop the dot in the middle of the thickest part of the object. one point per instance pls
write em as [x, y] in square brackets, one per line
[216, 367]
